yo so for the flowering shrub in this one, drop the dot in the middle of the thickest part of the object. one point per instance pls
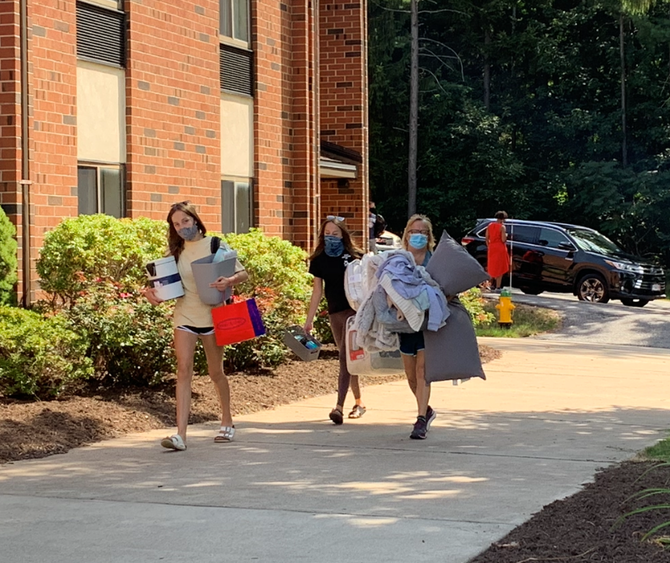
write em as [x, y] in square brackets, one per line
[279, 282]
[39, 356]
[83, 249]
[474, 303]
[129, 340]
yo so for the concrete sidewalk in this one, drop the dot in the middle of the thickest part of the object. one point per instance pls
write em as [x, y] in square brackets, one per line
[293, 487]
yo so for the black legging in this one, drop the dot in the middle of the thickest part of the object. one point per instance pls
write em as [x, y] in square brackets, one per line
[338, 324]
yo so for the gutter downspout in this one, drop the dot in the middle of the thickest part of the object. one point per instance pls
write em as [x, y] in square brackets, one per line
[25, 156]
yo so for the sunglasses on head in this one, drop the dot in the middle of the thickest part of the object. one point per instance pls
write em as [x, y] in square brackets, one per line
[174, 205]
[335, 218]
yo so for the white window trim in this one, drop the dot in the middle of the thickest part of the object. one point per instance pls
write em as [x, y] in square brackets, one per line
[240, 180]
[98, 181]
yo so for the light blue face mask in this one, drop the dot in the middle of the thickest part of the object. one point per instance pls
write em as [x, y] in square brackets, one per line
[418, 241]
[188, 233]
[334, 246]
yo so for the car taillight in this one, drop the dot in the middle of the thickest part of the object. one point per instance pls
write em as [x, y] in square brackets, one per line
[466, 240]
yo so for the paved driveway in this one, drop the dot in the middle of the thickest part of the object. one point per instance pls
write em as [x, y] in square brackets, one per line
[609, 323]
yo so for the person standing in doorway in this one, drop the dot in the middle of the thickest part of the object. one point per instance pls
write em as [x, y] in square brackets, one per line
[498, 257]
[333, 253]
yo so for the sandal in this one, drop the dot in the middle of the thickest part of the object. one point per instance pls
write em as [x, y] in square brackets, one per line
[174, 442]
[336, 416]
[226, 434]
[358, 411]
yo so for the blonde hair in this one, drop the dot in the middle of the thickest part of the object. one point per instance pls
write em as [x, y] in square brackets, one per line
[405, 234]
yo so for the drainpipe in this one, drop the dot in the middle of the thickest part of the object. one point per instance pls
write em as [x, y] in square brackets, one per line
[25, 156]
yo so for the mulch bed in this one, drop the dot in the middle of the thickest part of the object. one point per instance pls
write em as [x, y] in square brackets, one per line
[582, 527]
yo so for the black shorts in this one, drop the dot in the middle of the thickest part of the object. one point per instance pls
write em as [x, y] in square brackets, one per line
[411, 343]
[199, 330]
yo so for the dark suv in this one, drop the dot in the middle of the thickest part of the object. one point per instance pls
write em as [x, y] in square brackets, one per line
[569, 258]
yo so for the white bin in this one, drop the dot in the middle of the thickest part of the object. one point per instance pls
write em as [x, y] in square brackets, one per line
[165, 279]
[362, 362]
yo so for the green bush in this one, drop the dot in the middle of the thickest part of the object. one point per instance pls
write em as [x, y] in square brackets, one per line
[82, 250]
[322, 330]
[475, 303]
[279, 282]
[93, 268]
[39, 356]
[129, 340]
[8, 261]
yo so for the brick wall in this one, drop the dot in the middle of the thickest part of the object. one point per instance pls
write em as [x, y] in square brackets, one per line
[343, 94]
[272, 45]
[303, 66]
[173, 108]
[53, 123]
[10, 109]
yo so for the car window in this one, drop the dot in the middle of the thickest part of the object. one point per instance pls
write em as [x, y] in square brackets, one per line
[552, 238]
[523, 233]
[593, 241]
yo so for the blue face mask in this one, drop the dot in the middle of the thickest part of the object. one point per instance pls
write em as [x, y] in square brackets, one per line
[334, 246]
[418, 241]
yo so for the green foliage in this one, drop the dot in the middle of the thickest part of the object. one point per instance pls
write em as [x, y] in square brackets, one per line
[527, 321]
[549, 144]
[93, 269]
[39, 357]
[661, 496]
[322, 329]
[8, 261]
[279, 282]
[659, 451]
[476, 306]
[129, 340]
[87, 248]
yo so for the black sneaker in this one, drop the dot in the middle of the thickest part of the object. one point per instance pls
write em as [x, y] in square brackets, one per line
[430, 416]
[420, 429]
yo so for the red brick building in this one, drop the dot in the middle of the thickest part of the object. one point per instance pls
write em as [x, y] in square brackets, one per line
[255, 110]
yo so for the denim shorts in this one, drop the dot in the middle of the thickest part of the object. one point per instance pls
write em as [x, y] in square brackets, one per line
[411, 343]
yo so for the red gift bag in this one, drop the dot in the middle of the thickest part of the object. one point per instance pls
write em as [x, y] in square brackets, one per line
[237, 322]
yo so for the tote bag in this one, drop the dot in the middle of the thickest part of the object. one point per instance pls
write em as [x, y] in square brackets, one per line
[237, 322]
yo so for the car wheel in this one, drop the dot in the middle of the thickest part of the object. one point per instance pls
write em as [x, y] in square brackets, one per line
[635, 302]
[531, 290]
[593, 288]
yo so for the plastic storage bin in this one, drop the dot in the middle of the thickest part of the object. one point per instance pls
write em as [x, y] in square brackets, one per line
[205, 272]
[362, 362]
[305, 346]
[165, 279]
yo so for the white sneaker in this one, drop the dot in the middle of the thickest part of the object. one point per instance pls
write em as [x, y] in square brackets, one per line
[174, 442]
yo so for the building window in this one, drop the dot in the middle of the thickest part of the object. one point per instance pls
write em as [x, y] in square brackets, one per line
[101, 189]
[101, 34]
[236, 206]
[234, 19]
[235, 72]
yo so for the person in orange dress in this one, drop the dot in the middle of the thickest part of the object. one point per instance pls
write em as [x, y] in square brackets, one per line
[498, 258]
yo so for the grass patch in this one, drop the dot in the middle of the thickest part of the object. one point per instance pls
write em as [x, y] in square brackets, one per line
[660, 451]
[528, 320]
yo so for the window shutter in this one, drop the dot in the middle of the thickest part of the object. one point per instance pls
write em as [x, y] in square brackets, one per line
[235, 70]
[100, 34]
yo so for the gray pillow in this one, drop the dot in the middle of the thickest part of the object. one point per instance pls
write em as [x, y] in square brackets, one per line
[452, 267]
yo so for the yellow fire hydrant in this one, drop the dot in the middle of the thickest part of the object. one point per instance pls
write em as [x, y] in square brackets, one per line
[505, 308]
